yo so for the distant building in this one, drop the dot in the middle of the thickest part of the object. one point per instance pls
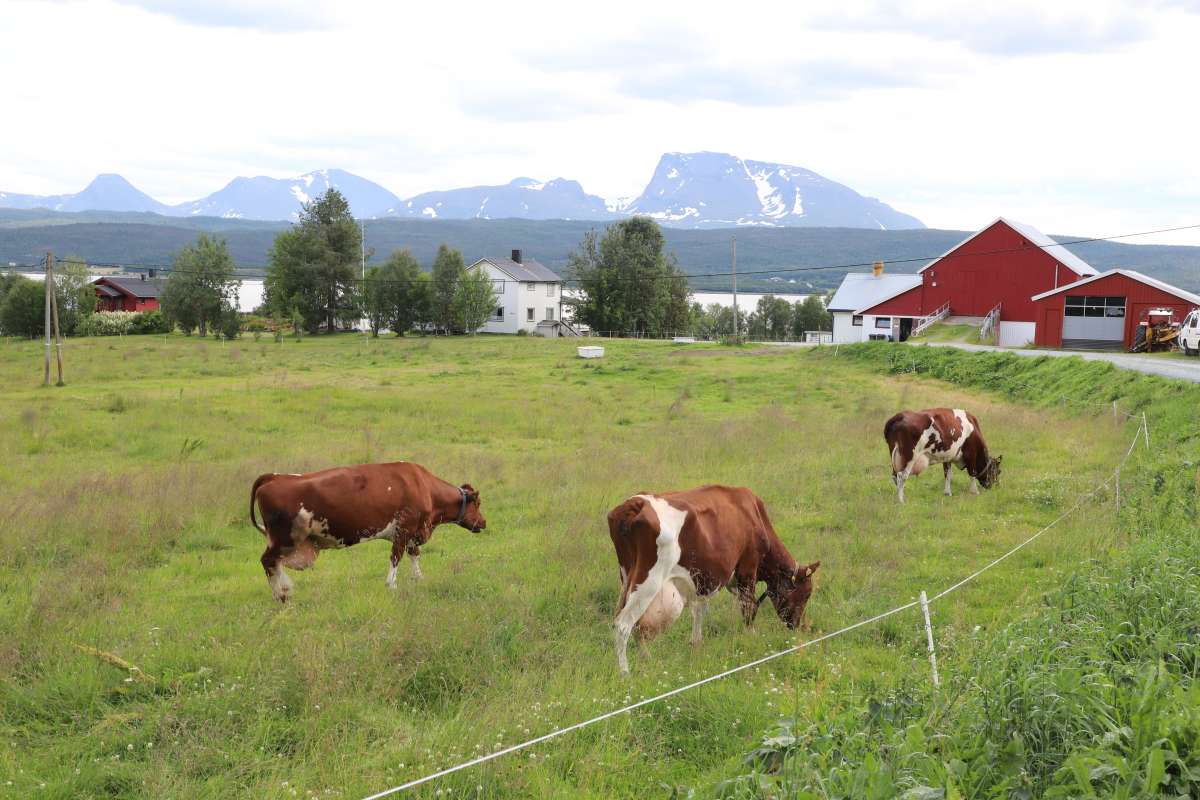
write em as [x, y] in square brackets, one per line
[1102, 312]
[527, 294]
[128, 293]
[860, 291]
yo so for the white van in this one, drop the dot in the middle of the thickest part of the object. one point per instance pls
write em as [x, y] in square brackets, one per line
[1189, 334]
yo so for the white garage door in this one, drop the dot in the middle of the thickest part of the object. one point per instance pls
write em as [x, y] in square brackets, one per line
[1093, 322]
[1016, 334]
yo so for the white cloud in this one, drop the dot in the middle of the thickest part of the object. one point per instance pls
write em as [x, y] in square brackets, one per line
[1079, 119]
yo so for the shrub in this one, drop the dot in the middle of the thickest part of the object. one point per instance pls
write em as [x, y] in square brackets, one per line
[150, 322]
[108, 323]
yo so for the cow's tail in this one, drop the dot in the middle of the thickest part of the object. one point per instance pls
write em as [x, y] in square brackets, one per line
[890, 425]
[265, 478]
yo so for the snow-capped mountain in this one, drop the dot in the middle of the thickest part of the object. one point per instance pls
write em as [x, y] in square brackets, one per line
[710, 190]
[688, 190]
[524, 197]
[281, 198]
[106, 192]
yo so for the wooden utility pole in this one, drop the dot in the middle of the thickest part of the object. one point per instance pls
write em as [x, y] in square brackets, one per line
[733, 270]
[54, 314]
[46, 319]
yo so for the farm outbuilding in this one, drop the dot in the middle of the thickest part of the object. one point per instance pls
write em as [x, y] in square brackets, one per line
[1103, 311]
[861, 291]
[127, 294]
[1000, 266]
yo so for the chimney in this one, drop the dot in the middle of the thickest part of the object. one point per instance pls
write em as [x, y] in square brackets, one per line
[153, 273]
[516, 256]
[877, 269]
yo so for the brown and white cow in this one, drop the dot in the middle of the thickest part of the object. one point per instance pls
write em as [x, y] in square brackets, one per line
[400, 502]
[946, 436]
[697, 542]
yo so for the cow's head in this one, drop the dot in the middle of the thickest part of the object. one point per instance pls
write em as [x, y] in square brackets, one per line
[991, 473]
[469, 515]
[791, 597]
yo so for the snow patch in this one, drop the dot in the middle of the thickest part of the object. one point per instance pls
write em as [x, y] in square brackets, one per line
[299, 193]
[429, 212]
[672, 173]
[769, 197]
[675, 216]
[798, 205]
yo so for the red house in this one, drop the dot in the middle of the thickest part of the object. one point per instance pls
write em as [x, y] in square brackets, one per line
[127, 294]
[1004, 264]
[1103, 311]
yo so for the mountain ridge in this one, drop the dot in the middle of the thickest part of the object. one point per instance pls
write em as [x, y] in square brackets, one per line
[687, 190]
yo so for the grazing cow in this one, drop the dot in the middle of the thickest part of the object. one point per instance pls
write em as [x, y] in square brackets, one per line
[946, 436]
[340, 507]
[697, 542]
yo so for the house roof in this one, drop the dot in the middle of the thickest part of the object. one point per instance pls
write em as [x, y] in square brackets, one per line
[864, 289]
[1132, 275]
[1056, 251]
[137, 287]
[526, 270]
[107, 291]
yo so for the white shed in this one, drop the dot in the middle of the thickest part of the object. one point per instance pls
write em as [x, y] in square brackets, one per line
[859, 291]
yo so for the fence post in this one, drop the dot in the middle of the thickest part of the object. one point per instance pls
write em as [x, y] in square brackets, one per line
[1145, 431]
[929, 639]
[1115, 417]
[1118, 488]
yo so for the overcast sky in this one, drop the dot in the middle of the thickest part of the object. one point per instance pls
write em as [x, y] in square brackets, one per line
[1078, 117]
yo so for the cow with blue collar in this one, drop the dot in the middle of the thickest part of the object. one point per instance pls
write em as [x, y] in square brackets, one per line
[400, 502]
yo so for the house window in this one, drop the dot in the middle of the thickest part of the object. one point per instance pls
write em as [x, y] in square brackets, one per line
[498, 285]
[550, 313]
[1091, 306]
[549, 290]
[883, 322]
[856, 320]
[529, 286]
[498, 314]
[529, 315]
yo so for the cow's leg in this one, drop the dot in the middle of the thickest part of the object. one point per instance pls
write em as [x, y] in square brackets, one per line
[414, 550]
[277, 579]
[946, 487]
[974, 486]
[636, 603]
[699, 605]
[900, 478]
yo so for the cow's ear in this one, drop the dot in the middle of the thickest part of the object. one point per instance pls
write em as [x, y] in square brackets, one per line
[470, 490]
[635, 510]
[811, 568]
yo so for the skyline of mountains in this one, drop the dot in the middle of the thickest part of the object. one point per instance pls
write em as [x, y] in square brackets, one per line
[687, 190]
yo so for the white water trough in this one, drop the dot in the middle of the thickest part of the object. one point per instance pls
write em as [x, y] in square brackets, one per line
[590, 351]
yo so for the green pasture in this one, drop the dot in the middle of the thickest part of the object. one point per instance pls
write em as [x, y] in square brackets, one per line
[125, 535]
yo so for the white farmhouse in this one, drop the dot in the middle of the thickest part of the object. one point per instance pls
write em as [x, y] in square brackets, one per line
[528, 296]
[860, 291]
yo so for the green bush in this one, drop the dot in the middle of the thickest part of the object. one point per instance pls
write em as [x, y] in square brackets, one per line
[150, 322]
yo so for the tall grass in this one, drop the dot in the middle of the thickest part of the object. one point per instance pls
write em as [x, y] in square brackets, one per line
[126, 532]
[1092, 695]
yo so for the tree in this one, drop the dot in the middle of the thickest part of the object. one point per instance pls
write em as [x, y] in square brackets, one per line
[201, 288]
[772, 319]
[627, 283]
[811, 315]
[76, 295]
[396, 295]
[474, 300]
[312, 265]
[23, 310]
[448, 272]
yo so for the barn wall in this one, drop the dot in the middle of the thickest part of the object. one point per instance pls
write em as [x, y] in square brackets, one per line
[1139, 297]
[976, 277]
[907, 304]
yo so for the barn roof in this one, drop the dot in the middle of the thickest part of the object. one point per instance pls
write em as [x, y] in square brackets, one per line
[1132, 275]
[1056, 251]
[865, 289]
[137, 287]
[525, 270]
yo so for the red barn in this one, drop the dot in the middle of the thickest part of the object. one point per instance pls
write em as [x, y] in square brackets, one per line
[127, 294]
[1004, 264]
[1103, 311]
